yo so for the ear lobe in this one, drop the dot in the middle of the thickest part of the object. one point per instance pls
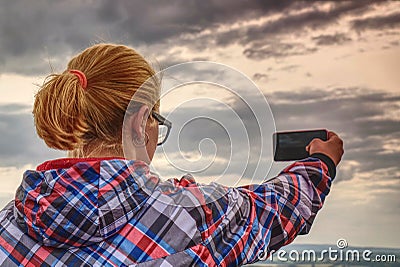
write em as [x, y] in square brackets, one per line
[139, 120]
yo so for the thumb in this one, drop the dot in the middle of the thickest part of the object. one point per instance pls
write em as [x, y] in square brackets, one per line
[314, 141]
[309, 145]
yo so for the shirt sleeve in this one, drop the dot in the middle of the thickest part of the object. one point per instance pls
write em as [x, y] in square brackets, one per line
[261, 218]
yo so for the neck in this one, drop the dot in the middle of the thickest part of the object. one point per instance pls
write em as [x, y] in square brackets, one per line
[96, 150]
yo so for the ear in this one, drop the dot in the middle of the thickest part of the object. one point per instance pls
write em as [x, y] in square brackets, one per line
[139, 120]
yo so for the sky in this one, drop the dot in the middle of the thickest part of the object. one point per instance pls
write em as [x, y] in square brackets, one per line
[288, 65]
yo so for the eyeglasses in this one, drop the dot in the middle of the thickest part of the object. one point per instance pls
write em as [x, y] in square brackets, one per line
[164, 128]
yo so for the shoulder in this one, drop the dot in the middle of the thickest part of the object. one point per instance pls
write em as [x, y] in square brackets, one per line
[7, 212]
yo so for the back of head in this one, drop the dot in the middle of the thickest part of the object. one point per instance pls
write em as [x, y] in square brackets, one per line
[69, 116]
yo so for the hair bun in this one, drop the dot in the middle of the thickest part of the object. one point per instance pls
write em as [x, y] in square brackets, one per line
[59, 112]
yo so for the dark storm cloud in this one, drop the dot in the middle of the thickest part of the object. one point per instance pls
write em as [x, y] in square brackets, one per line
[365, 119]
[277, 50]
[263, 41]
[235, 133]
[166, 20]
[331, 39]
[356, 112]
[377, 23]
[315, 18]
[19, 143]
[34, 34]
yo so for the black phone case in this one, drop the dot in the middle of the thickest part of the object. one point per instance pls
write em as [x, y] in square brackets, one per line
[292, 145]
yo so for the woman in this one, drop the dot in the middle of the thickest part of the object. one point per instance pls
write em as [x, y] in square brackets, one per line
[98, 208]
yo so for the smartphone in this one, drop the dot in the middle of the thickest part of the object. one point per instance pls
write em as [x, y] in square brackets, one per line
[291, 145]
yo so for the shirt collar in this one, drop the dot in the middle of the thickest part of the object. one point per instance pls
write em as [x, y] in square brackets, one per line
[63, 163]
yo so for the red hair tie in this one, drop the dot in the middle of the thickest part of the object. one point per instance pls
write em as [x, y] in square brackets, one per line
[81, 76]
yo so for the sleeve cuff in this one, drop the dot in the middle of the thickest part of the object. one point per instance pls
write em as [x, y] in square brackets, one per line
[328, 161]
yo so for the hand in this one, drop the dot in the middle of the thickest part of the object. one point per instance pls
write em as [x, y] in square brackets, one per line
[333, 147]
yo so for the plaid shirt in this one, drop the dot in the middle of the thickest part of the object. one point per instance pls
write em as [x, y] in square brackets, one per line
[115, 212]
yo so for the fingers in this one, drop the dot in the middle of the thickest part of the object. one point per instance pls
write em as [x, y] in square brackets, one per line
[313, 143]
[334, 138]
[331, 134]
[333, 147]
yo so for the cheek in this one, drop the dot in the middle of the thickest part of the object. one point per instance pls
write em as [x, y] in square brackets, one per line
[152, 132]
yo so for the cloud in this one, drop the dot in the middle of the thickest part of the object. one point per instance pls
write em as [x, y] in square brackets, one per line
[314, 18]
[5, 199]
[389, 21]
[7, 109]
[19, 142]
[262, 38]
[35, 33]
[331, 39]
[367, 121]
[48, 32]
[290, 68]
[277, 50]
[179, 17]
[260, 76]
[228, 138]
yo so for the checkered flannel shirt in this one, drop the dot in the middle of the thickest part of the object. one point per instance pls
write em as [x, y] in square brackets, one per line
[115, 212]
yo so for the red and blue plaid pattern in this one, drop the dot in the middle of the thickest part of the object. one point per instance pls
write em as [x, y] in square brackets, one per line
[115, 212]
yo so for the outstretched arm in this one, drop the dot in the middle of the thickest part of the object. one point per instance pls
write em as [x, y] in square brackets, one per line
[264, 217]
[287, 205]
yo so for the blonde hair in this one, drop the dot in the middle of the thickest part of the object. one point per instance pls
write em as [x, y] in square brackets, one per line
[68, 117]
